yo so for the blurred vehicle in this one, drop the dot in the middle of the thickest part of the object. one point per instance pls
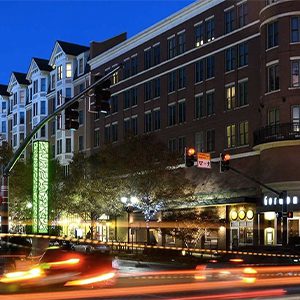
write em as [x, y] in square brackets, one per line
[63, 267]
[88, 248]
[247, 268]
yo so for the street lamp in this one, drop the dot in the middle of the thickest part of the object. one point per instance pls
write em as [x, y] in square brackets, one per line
[129, 204]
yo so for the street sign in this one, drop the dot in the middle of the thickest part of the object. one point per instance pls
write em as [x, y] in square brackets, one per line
[203, 160]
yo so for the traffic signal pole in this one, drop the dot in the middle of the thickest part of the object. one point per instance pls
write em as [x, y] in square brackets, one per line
[6, 169]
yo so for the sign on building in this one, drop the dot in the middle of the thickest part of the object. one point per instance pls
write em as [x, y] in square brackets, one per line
[203, 160]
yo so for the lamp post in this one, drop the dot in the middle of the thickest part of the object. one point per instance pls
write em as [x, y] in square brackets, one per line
[129, 204]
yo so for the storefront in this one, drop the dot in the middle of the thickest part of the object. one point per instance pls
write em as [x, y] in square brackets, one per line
[241, 218]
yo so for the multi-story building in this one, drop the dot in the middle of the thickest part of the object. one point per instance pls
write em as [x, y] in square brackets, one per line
[222, 76]
[219, 75]
[4, 101]
[17, 88]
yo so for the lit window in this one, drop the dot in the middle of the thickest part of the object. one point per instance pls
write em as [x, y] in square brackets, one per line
[68, 70]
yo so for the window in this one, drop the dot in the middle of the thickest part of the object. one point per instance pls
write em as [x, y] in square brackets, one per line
[43, 107]
[80, 66]
[148, 90]
[43, 132]
[181, 112]
[43, 84]
[171, 114]
[210, 140]
[53, 127]
[199, 141]
[230, 97]
[181, 144]
[156, 83]
[172, 81]
[68, 70]
[181, 78]
[22, 97]
[97, 138]
[15, 99]
[273, 78]
[210, 29]
[171, 47]
[181, 42]
[272, 34]
[230, 59]
[210, 103]
[229, 20]
[80, 143]
[22, 116]
[273, 117]
[58, 146]
[80, 117]
[295, 80]
[68, 94]
[242, 14]
[230, 133]
[134, 128]
[243, 93]
[147, 58]
[68, 145]
[295, 29]
[114, 131]
[115, 77]
[106, 134]
[148, 122]
[59, 98]
[127, 130]
[156, 54]
[295, 118]
[3, 106]
[58, 122]
[134, 65]
[243, 133]
[59, 73]
[172, 145]
[243, 54]
[133, 95]
[199, 107]
[156, 119]
[30, 94]
[114, 104]
[210, 67]
[126, 99]
[35, 86]
[199, 71]
[52, 81]
[126, 69]
[15, 140]
[3, 126]
[199, 35]
[35, 109]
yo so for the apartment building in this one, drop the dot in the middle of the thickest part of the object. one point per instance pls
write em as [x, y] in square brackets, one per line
[4, 101]
[223, 76]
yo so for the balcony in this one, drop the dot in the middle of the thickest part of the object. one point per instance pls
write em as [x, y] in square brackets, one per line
[275, 133]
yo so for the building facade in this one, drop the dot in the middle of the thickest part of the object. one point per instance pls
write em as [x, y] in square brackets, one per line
[219, 75]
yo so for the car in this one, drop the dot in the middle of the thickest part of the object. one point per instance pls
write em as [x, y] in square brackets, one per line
[62, 267]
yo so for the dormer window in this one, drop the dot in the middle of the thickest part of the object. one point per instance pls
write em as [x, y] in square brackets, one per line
[43, 84]
[52, 81]
[35, 87]
[80, 66]
[68, 70]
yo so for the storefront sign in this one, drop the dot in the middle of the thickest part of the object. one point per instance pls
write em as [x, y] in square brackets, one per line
[276, 201]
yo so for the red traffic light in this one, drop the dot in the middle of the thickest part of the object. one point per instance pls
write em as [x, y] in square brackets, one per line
[191, 151]
[226, 157]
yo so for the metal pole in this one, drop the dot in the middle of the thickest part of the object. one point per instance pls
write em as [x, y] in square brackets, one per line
[4, 215]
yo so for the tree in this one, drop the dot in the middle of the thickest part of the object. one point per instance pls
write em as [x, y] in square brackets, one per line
[190, 225]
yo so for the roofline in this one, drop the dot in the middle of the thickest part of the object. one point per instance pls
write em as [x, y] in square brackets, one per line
[172, 21]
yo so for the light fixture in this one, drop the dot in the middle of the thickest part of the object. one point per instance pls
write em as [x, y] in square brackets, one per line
[250, 214]
[242, 214]
[233, 215]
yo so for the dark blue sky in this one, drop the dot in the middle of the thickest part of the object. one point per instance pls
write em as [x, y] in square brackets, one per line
[30, 28]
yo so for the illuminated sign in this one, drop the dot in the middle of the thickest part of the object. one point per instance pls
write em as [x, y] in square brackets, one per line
[40, 187]
[276, 201]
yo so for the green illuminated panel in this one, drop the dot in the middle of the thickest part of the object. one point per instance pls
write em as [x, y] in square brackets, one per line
[40, 187]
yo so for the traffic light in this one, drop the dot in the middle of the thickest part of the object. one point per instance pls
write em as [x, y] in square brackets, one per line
[72, 116]
[189, 156]
[102, 96]
[224, 162]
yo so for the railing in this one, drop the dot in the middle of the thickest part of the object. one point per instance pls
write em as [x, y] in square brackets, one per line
[278, 132]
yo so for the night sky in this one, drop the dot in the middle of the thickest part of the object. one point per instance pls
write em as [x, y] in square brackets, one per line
[30, 28]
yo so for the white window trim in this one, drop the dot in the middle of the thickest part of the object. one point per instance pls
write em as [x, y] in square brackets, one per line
[273, 62]
[209, 18]
[228, 8]
[243, 80]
